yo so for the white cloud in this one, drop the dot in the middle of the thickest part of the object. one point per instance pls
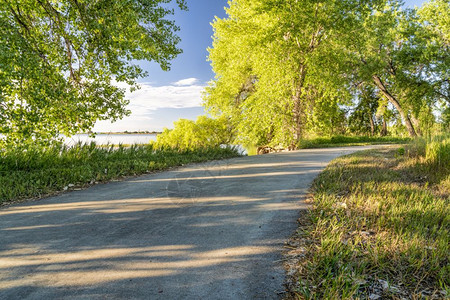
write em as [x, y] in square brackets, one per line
[187, 81]
[185, 93]
[170, 96]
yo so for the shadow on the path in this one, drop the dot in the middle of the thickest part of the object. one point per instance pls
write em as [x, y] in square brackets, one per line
[215, 229]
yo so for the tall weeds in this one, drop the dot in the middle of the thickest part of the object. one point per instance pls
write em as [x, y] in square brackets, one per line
[35, 171]
[433, 151]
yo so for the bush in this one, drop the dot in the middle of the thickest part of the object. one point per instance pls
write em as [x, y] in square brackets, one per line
[190, 135]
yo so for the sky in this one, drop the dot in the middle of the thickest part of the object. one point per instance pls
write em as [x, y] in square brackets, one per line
[166, 96]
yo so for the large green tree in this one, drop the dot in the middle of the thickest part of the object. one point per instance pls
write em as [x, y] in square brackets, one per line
[60, 61]
[405, 57]
[434, 29]
[275, 63]
[363, 118]
[285, 68]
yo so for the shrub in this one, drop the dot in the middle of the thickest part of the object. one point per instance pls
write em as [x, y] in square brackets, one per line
[190, 135]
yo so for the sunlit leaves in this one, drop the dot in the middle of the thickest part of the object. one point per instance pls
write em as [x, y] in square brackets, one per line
[285, 68]
[59, 61]
[190, 135]
[275, 61]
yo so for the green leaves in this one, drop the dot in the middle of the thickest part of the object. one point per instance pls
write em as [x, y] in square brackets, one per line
[203, 133]
[276, 64]
[405, 60]
[59, 61]
[285, 69]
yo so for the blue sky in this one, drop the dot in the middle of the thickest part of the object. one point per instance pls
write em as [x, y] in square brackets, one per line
[165, 97]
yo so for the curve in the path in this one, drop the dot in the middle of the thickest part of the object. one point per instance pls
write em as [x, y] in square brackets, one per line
[206, 231]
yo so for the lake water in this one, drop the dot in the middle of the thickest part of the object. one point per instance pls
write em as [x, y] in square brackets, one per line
[104, 139]
[115, 139]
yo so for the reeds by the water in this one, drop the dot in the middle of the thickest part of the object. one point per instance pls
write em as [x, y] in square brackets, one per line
[28, 172]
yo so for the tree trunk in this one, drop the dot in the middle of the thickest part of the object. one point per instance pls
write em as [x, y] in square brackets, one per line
[372, 125]
[298, 126]
[384, 128]
[394, 102]
[416, 125]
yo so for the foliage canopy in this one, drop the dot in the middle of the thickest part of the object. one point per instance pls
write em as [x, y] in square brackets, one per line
[59, 61]
[288, 69]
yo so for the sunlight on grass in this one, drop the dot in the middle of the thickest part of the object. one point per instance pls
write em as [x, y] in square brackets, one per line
[340, 140]
[380, 227]
[37, 172]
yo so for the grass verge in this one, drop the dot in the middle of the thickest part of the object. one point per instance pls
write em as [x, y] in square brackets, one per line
[378, 229]
[37, 172]
[340, 141]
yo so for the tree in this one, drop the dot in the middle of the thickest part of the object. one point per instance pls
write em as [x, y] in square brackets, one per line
[434, 29]
[363, 118]
[284, 69]
[59, 61]
[275, 63]
[370, 52]
[404, 60]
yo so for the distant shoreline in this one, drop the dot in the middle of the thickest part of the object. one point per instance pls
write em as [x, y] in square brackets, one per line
[126, 132]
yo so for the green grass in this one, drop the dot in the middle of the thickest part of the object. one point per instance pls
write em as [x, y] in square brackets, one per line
[339, 141]
[36, 172]
[379, 217]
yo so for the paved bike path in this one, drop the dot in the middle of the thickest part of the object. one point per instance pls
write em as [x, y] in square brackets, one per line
[205, 231]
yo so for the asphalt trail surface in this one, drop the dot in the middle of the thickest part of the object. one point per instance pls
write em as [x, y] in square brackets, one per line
[205, 231]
